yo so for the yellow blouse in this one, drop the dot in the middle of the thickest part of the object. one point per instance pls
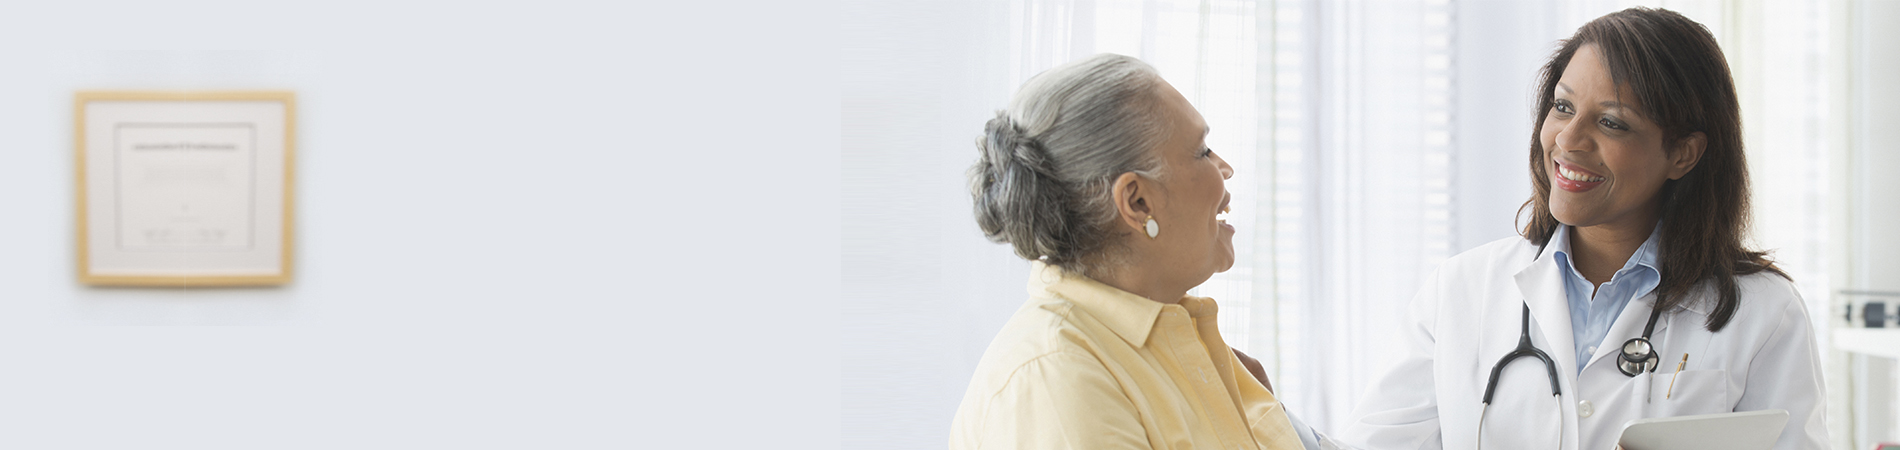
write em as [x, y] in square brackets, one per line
[1083, 365]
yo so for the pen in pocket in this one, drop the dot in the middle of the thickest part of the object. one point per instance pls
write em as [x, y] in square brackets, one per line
[1672, 378]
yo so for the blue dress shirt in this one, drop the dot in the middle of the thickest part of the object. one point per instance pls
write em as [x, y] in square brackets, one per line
[1591, 315]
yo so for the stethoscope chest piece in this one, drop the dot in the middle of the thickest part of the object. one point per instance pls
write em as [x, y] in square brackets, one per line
[1637, 357]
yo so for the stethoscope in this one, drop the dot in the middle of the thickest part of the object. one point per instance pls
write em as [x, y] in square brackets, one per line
[1638, 356]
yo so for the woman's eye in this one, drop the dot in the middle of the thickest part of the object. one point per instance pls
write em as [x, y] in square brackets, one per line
[1612, 124]
[1564, 107]
[1206, 151]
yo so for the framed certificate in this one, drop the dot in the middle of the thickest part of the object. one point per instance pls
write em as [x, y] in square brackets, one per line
[183, 189]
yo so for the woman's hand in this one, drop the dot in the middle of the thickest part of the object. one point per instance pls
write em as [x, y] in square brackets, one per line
[1253, 366]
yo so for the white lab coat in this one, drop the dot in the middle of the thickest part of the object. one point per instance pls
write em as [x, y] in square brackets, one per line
[1466, 317]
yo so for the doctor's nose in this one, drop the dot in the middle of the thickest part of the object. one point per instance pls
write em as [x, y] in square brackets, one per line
[1574, 137]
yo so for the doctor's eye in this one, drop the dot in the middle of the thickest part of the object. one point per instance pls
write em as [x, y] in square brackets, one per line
[1613, 124]
[1563, 107]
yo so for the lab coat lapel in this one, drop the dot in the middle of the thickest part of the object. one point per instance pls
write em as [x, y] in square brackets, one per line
[1543, 290]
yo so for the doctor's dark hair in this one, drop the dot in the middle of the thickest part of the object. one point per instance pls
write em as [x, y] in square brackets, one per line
[1042, 178]
[1682, 82]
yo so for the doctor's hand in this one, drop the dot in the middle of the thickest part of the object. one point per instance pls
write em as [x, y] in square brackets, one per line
[1253, 366]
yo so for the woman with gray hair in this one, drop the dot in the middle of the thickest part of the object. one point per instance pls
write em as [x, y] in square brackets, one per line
[1099, 174]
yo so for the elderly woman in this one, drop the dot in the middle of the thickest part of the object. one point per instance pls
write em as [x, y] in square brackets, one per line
[1099, 174]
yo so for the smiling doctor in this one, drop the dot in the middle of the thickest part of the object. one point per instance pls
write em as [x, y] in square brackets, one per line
[1632, 265]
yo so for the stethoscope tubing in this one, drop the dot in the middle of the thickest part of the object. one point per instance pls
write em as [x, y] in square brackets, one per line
[1524, 348]
[1630, 361]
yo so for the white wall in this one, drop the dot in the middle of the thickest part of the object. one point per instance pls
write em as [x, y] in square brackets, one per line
[924, 291]
[1500, 46]
[530, 225]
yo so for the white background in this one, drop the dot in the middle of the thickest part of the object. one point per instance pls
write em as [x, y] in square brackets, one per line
[531, 225]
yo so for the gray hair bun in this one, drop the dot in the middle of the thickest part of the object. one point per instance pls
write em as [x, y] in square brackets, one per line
[1041, 182]
[1018, 200]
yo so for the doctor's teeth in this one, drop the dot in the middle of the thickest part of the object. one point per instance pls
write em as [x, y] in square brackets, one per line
[1574, 176]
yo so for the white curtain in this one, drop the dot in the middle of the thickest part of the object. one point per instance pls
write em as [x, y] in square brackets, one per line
[1374, 139]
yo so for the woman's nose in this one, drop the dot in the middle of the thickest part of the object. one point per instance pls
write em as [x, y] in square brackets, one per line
[1226, 171]
[1572, 137]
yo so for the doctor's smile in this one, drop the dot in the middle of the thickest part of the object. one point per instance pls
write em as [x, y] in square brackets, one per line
[1572, 178]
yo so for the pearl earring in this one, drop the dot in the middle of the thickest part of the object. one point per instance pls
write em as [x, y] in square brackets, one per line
[1153, 228]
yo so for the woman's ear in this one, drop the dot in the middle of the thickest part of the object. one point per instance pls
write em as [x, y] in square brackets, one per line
[1133, 201]
[1686, 154]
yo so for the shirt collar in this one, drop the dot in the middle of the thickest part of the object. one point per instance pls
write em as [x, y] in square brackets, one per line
[1645, 255]
[1128, 315]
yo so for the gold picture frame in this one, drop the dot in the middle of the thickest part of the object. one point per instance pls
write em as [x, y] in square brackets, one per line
[145, 159]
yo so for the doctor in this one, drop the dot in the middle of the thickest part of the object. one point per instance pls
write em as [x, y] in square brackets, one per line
[1636, 227]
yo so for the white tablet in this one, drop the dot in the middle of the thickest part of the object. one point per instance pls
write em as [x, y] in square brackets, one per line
[1732, 431]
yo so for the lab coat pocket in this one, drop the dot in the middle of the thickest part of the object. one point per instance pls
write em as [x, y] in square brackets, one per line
[1640, 386]
[1693, 392]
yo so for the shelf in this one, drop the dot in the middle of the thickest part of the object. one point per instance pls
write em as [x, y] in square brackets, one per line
[1872, 341]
